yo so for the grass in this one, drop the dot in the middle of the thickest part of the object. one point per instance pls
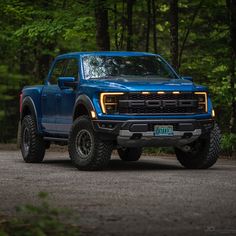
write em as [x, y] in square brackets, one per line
[39, 220]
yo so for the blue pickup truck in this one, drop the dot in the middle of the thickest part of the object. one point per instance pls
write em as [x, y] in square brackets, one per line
[99, 101]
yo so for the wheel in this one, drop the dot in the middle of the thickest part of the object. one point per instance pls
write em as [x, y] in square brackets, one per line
[130, 154]
[87, 151]
[203, 153]
[31, 143]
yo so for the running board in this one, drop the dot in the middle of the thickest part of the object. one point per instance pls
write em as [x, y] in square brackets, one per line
[56, 139]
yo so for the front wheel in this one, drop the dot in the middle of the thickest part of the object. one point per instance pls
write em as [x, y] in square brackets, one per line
[87, 151]
[130, 154]
[203, 153]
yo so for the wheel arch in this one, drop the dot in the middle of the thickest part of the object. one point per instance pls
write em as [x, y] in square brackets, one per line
[83, 106]
[29, 108]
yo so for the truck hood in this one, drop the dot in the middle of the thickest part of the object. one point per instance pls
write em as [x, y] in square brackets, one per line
[144, 84]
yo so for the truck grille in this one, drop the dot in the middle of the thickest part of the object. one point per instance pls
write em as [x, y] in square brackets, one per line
[154, 103]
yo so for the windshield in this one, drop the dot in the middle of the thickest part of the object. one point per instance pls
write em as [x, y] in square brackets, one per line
[112, 67]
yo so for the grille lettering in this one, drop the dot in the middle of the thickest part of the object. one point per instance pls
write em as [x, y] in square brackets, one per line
[157, 103]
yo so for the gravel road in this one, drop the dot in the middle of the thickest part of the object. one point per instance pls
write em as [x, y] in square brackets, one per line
[154, 196]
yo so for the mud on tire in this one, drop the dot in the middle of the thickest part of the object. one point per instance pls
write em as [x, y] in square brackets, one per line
[87, 151]
[204, 152]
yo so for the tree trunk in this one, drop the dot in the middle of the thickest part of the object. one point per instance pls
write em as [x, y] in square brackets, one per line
[102, 33]
[22, 62]
[174, 49]
[116, 27]
[121, 41]
[188, 31]
[44, 64]
[231, 4]
[130, 4]
[148, 25]
[154, 26]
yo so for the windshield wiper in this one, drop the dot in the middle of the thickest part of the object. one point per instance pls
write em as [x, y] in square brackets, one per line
[148, 73]
[102, 77]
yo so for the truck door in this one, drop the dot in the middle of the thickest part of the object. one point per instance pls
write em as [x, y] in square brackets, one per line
[66, 101]
[50, 94]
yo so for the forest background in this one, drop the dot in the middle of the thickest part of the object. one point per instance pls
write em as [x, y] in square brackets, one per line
[197, 37]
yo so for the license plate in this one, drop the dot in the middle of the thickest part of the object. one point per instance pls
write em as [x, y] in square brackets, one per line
[163, 130]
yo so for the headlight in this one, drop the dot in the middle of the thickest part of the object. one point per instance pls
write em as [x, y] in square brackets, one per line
[109, 102]
[202, 101]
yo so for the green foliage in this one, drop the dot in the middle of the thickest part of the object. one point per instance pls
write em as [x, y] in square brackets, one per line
[159, 150]
[228, 144]
[40, 220]
[34, 32]
[10, 84]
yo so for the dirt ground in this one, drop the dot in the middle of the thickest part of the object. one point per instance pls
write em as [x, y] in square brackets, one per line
[154, 196]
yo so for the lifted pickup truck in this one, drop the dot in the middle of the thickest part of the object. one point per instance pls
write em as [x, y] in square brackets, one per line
[100, 101]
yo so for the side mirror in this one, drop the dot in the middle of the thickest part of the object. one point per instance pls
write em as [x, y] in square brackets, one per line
[187, 78]
[66, 82]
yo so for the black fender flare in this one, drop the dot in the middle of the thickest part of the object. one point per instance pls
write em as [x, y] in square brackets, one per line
[29, 103]
[86, 102]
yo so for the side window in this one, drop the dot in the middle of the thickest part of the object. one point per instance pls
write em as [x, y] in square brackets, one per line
[71, 68]
[58, 70]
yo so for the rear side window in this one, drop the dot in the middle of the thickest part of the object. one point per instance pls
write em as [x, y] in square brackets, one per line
[71, 68]
[58, 71]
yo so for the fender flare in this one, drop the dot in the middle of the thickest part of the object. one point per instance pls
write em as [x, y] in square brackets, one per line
[86, 102]
[28, 102]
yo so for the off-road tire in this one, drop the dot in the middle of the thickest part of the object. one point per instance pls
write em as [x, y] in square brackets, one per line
[99, 151]
[130, 154]
[34, 150]
[204, 152]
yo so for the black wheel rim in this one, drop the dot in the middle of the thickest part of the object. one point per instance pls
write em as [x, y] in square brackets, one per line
[84, 143]
[26, 140]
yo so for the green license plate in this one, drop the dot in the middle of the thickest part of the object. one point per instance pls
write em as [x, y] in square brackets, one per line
[163, 130]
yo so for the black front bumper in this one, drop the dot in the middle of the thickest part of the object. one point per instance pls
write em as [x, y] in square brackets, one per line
[133, 133]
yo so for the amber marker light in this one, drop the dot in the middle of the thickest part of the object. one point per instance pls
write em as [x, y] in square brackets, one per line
[213, 113]
[160, 92]
[102, 99]
[146, 93]
[93, 114]
[176, 92]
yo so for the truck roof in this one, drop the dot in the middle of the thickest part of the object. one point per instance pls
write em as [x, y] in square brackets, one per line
[105, 53]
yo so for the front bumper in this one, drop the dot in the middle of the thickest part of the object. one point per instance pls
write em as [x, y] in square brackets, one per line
[134, 133]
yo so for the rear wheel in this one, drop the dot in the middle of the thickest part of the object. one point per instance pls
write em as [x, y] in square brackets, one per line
[31, 143]
[203, 153]
[87, 151]
[130, 154]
